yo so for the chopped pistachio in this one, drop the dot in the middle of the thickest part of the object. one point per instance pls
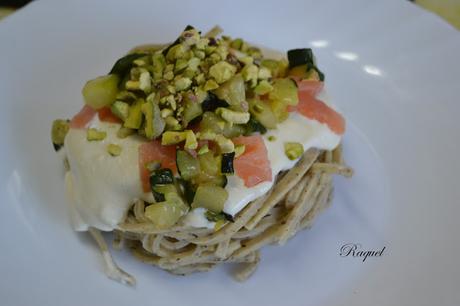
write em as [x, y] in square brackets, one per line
[209, 49]
[203, 150]
[166, 112]
[247, 60]
[59, 131]
[271, 138]
[169, 67]
[144, 82]
[239, 150]
[222, 71]
[193, 63]
[250, 74]
[264, 87]
[171, 89]
[159, 64]
[210, 85]
[182, 83]
[181, 64]
[202, 43]
[214, 58]
[206, 135]
[190, 140]
[134, 119]
[226, 145]
[120, 109]
[173, 137]
[140, 61]
[132, 85]
[168, 75]
[171, 101]
[233, 116]
[126, 96]
[200, 54]
[222, 51]
[264, 73]
[200, 79]
[177, 51]
[293, 150]
[95, 135]
[151, 97]
[236, 43]
[201, 94]
[172, 123]
[124, 132]
[113, 149]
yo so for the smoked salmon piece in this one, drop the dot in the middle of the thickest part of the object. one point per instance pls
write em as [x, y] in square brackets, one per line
[81, 120]
[253, 166]
[106, 115]
[154, 151]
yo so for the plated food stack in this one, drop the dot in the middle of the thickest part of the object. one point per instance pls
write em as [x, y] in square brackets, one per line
[201, 152]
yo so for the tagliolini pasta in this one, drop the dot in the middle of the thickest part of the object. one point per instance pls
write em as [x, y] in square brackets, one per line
[290, 206]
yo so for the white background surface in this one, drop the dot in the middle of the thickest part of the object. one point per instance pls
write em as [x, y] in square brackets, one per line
[392, 68]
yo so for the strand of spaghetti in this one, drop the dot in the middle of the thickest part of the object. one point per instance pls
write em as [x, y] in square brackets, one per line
[257, 242]
[173, 246]
[222, 247]
[138, 209]
[306, 222]
[293, 195]
[337, 154]
[231, 228]
[118, 241]
[332, 169]
[248, 269]
[285, 184]
[304, 203]
[185, 270]
[111, 268]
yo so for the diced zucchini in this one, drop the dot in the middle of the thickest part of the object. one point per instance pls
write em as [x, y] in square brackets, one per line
[166, 214]
[254, 126]
[216, 217]
[209, 165]
[210, 197]
[277, 68]
[279, 109]
[101, 91]
[134, 119]
[188, 166]
[212, 102]
[161, 177]
[172, 137]
[192, 110]
[233, 116]
[284, 90]
[95, 135]
[154, 124]
[59, 130]
[233, 130]
[212, 123]
[120, 109]
[124, 132]
[227, 163]
[263, 113]
[264, 87]
[233, 92]
[160, 191]
[124, 64]
[225, 145]
[297, 57]
[190, 140]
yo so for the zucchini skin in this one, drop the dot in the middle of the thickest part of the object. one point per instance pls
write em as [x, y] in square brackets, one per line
[124, 64]
[227, 163]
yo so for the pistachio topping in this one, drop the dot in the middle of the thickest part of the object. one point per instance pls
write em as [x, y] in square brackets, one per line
[95, 135]
[293, 150]
[113, 149]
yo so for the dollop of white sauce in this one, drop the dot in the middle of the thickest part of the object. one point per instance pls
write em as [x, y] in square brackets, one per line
[102, 187]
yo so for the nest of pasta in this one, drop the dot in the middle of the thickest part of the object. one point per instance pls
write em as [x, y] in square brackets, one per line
[290, 206]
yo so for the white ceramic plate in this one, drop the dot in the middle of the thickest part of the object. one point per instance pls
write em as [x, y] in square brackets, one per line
[392, 68]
